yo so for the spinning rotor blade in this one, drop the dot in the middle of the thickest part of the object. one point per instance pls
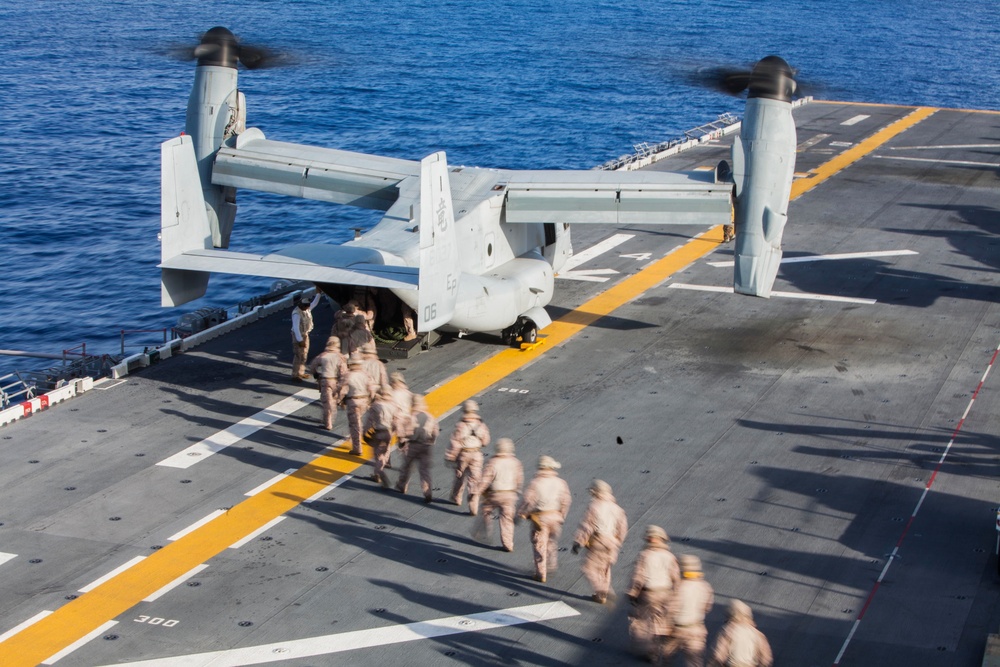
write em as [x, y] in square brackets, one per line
[220, 47]
[769, 77]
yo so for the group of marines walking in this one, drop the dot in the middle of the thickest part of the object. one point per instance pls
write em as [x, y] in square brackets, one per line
[669, 596]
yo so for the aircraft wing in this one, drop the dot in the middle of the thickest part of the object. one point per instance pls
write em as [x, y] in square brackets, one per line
[311, 172]
[315, 262]
[618, 197]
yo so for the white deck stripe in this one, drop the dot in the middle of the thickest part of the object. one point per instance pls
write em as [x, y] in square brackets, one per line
[942, 147]
[243, 429]
[271, 482]
[80, 642]
[16, 629]
[4, 557]
[826, 258]
[588, 275]
[349, 641]
[961, 163]
[595, 250]
[327, 489]
[112, 574]
[196, 525]
[783, 295]
[254, 534]
[175, 583]
[857, 119]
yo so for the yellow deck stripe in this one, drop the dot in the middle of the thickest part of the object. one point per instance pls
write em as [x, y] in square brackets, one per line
[903, 106]
[858, 151]
[116, 596]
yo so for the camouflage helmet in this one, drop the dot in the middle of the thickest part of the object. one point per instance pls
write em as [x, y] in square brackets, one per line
[397, 378]
[690, 563]
[505, 446]
[333, 344]
[739, 610]
[470, 406]
[419, 402]
[369, 348]
[600, 489]
[546, 462]
[655, 532]
[354, 360]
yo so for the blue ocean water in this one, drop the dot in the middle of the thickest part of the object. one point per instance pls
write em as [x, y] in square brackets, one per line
[87, 97]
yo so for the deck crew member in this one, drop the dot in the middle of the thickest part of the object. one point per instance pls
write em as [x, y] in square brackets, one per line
[302, 325]
[466, 452]
[601, 532]
[500, 487]
[330, 368]
[688, 608]
[380, 420]
[740, 643]
[546, 502]
[417, 434]
[654, 579]
[356, 392]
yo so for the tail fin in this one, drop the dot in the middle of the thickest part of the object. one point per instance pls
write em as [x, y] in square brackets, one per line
[184, 221]
[439, 267]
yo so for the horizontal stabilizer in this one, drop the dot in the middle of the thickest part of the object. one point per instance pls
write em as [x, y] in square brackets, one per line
[311, 172]
[607, 197]
[314, 262]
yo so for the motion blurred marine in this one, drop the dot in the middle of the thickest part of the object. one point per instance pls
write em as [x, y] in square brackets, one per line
[740, 643]
[502, 480]
[466, 451]
[688, 608]
[374, 366]
[380, 421]
[546, 502]
[356, 392]
[343, 322]
[602, 532]
[654, 580]
[330, 368]
[401, 394]
[417, 434]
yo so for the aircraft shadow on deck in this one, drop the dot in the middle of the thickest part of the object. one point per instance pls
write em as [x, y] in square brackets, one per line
[870, 279]
[610, 322]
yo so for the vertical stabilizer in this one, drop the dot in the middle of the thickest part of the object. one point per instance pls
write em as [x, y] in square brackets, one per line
[439, 266]
[184, 221]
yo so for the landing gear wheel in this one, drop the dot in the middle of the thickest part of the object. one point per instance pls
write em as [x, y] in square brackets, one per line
[509, 337]
[529, 333]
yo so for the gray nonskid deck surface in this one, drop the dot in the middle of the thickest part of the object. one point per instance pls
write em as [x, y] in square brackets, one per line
[785, 442]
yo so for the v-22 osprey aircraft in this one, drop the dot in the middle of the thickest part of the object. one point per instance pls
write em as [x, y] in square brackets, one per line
[468, 249]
